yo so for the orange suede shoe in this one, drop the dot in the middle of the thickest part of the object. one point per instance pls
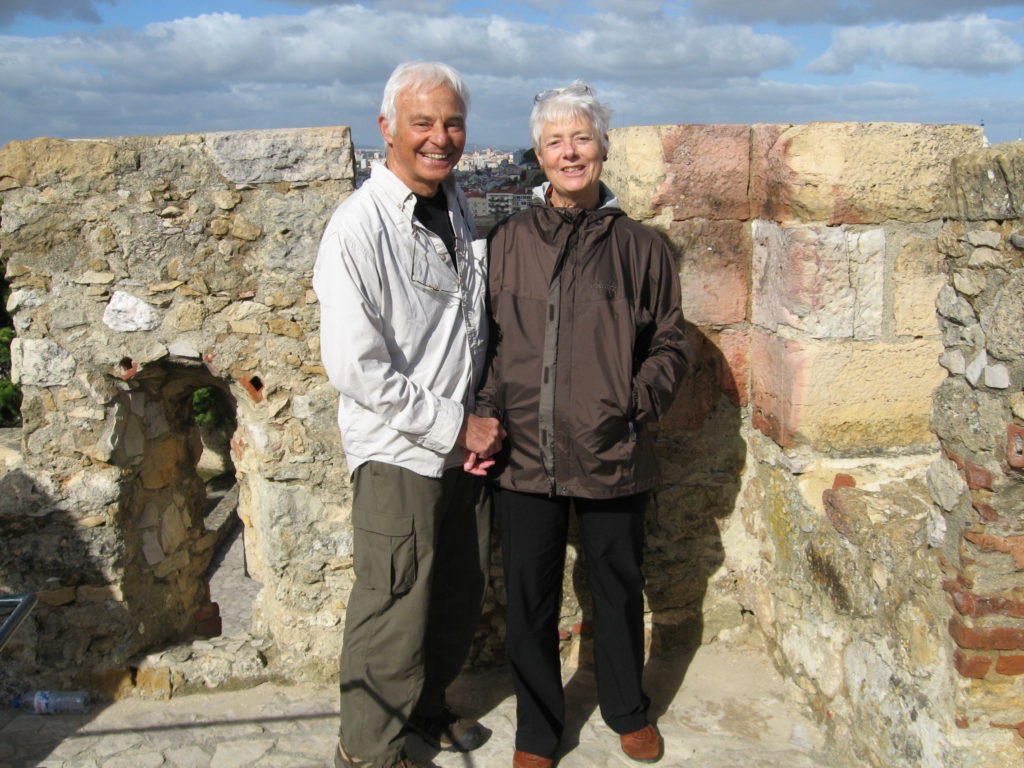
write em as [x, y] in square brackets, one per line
[644, 746]
[528, 760]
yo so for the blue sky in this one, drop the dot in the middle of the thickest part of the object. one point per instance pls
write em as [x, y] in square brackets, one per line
[85, 68]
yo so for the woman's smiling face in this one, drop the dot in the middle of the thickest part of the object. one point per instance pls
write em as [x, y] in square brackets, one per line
[572, 157]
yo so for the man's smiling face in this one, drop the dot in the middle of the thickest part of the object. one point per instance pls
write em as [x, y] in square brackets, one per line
[428, 137]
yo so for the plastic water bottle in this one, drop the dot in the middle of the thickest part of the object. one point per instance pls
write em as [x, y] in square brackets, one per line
[53, 702]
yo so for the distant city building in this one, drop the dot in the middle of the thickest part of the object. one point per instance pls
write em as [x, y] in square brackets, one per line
[477, 204]
[508, 200]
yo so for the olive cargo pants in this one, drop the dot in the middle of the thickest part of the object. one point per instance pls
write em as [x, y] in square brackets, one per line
[421, 548]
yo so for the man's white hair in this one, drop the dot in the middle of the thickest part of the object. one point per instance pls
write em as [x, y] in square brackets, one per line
[423, 75]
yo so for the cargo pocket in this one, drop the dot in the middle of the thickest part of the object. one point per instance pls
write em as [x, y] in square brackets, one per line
[385, 551]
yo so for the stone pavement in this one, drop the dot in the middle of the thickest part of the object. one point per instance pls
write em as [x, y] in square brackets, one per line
[731, 710]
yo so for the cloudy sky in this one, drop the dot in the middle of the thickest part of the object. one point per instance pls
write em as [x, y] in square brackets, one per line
[84, 68]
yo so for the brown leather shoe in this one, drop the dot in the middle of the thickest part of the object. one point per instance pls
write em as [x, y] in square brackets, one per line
[529, 760]
[644, 746]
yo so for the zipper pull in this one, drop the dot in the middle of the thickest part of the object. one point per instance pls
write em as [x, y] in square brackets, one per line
[632, 431]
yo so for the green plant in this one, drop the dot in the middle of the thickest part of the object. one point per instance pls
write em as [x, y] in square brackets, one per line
[209, 408]
[10, 393]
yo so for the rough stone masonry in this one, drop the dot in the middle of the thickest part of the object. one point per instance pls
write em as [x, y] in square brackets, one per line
[807, 496]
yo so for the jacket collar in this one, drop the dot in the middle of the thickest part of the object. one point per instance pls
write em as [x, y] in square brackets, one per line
[606, 198]
[394, 189]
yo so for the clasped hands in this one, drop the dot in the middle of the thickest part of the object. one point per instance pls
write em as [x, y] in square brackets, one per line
[480, 438]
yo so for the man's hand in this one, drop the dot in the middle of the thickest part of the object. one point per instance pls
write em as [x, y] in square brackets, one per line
[481, 435]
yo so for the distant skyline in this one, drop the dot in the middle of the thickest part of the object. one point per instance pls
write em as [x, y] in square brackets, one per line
[89, 68]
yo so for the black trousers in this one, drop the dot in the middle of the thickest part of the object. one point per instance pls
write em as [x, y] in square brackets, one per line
[534, 530]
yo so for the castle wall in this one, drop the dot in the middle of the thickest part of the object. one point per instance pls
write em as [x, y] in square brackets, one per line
[807, 501]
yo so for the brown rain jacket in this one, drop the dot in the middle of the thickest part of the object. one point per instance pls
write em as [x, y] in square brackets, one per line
[587, 347]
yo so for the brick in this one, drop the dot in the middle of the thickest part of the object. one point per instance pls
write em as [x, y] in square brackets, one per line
[955, 459]
[828, 282]
[971, 666]
[253, 386]
[978, 477]
[1018, 727]
[1010, 664]
[1009, 545]
[975, 606]
[714, 270]
[856, 173]
[989, 514]
[986, 638]
[1015, 446]
[843, 480]
[962, 599]
[843, 397]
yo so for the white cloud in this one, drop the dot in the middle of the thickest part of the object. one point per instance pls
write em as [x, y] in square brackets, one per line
[975, 44]
[843, 12]
[328, 65]
[418, 6]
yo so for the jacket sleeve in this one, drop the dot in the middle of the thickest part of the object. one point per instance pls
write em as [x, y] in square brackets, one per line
[355, 353]
[663, 359]
[486, 395]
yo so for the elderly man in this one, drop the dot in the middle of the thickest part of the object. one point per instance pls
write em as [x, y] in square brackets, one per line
[403, 338]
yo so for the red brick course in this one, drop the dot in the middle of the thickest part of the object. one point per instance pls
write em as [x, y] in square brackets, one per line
[986, 639]
[1010, 665]
[971, 666]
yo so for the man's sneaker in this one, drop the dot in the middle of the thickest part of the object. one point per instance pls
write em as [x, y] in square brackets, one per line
[450, 731]
[343, 759]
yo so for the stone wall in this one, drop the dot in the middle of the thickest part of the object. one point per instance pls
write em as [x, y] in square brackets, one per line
[979, 416]
[807, 500]
[141, 269]
[811, 260]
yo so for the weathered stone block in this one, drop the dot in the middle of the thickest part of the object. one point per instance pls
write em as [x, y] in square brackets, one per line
[825, 281]
[1003, 318]
[843, 397]
[714, 270]
[129, 313]
[989, 183]
[41, 363]
[966, 418]
[707, 168]
[719, 365]
[635, 168]
[83, 165]
[288, 154]
[918, 274]
[856, 173]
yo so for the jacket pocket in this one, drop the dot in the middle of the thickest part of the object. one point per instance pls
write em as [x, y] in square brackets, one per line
[385, 547]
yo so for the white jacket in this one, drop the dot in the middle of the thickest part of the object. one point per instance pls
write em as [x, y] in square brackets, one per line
[402, 335]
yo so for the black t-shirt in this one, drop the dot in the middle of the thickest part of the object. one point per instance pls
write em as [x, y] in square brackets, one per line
[432, 213]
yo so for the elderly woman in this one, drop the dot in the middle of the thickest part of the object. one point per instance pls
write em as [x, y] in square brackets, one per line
[588, 351]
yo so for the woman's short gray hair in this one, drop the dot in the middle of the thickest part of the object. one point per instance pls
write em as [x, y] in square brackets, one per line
[574, 101]
[421, 75]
